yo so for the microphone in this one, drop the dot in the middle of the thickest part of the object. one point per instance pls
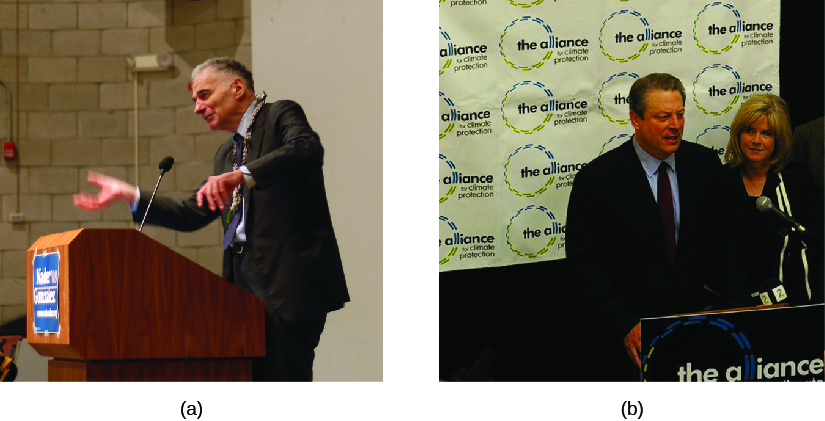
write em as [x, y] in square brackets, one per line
[164, 166]
[765, 205]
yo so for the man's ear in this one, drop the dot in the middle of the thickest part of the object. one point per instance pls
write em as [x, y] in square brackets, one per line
[239, 87]
[634, 119]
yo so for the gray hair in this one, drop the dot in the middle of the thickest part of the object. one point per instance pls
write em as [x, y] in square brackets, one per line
[228, 66]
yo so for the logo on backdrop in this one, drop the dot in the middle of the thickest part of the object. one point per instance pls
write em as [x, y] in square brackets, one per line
[613, 97]
[719, 26]
[453, 119]
[445, 51]
[459, 57]
[464, 2]
[614, 142]
[448, 178]
[533, 231]
[715, 28]
[526, 4]
[448, 239]
[624, 46]
[718, 87]
[625, 35]
[468, 186]
[451, 242]
[526, 107]
[529, 106]
[715, 137]
[528, 43]
[447, 113]
[529, 4]
[530, 170]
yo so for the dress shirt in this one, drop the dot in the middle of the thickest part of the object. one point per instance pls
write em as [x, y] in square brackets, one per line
[651, 168]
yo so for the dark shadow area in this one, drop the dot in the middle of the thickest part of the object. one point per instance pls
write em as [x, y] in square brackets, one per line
[802, 60]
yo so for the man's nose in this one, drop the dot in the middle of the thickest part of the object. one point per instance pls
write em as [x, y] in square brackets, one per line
[199, 107]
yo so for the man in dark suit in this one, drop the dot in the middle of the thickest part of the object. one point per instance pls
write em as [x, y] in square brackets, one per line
[267, 187]
[631, 255]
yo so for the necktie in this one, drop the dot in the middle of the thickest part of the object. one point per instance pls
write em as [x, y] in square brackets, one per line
[236, 218]
[665, 199]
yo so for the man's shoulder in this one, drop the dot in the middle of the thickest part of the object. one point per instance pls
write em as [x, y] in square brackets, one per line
[695, 151]
[611, 158]
[693, 147]
[284, 111]
[281, 105]
[604, 168]
[813, 128]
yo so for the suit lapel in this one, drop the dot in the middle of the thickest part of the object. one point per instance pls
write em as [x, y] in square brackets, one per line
[227, 160]
[253, 152]
[258, 129]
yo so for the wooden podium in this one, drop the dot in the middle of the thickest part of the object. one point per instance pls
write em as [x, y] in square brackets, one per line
[132, 309]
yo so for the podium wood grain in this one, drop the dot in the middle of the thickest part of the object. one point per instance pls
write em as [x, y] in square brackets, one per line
[214, 370]
[124, 296]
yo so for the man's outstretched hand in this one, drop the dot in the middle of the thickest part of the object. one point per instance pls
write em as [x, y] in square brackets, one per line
[111, 189]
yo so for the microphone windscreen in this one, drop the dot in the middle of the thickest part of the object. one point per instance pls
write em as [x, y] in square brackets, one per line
[764, 203]
[166, 164]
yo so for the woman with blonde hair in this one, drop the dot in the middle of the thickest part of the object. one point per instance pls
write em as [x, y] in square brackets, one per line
[781, 263]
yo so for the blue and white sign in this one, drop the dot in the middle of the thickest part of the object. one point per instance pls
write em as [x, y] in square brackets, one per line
[45, 279]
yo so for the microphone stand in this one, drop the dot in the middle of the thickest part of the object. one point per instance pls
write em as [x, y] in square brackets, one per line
[150, 202]
[165, 165]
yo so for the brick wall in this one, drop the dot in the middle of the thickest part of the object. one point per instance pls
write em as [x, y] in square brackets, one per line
[76, 113]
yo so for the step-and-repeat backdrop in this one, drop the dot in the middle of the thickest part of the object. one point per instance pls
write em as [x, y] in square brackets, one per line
[531, 91]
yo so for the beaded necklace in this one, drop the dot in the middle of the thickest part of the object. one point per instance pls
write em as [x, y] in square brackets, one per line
[236, 196]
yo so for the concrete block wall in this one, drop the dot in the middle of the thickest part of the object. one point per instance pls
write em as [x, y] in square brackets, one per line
[73, 111]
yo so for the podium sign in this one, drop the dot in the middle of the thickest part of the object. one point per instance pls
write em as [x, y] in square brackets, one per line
[45, 290]
[773, 344]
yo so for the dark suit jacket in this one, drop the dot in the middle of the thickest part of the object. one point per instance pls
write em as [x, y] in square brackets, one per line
[809, 139]
[289, 231]
[615, 243]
